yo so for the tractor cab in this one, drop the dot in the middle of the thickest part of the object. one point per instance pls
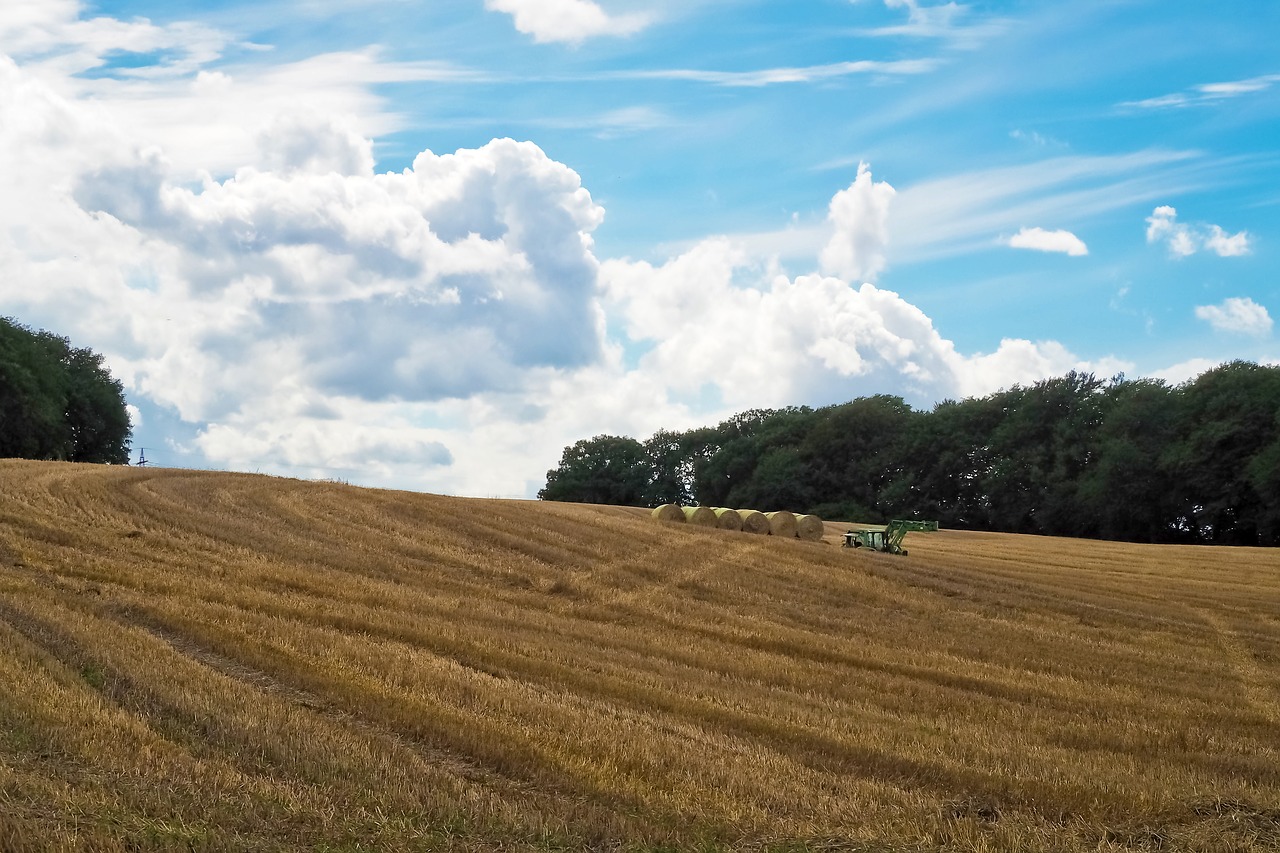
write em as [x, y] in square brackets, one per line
[873, 539]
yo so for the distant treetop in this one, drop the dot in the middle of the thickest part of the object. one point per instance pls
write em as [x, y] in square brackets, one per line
[58, 401]
[1137, 460]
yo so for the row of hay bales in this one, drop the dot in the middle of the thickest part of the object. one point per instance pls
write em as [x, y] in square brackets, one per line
[781, 523]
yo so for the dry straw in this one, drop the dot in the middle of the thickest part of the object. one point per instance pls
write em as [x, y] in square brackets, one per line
[703, 516]
[668, 512]
[727, 519]
[809, 528]
[754, 522]
[782, 523]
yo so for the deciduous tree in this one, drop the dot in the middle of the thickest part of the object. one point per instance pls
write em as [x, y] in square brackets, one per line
[607, 469]
[58, 401]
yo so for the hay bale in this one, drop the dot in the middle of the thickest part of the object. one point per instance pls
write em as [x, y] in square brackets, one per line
[727, 519]
[809, 528]
[754, 522]
[668, 512]
[703, 516]
[782, 523]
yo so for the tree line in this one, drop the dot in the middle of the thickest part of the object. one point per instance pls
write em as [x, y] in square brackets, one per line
[1136, 460]
[58, 401]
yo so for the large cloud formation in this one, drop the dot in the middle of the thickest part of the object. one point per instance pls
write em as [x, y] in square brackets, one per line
[276, 307]
[447, 327]
[441, 281]
[719, 326]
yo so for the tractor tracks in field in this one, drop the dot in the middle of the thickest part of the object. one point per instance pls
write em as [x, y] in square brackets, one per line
[334, 712]
[510, 791]
[1256, 682]
[679, 582]
[98, 602]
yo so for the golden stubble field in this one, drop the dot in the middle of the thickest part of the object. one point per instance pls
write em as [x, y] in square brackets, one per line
[208, 661]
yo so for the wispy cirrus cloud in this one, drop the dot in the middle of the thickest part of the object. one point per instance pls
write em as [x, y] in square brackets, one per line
[1205, 94]
[963, 212]
[795, 74]
[614, 123]
[1032, 136]
[945, 21]
[210, 120]
[53, 36]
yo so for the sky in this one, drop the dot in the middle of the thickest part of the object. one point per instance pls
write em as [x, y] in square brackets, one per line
[428, 245]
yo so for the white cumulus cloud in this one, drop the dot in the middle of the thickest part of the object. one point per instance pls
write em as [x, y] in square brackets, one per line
[1184, 371]
[1237, 315]
[273, 303]
[306, 314]
[1185, 240]
[442, 280]
[1040, 240]
[570, 21]
[1226, 245]
[753, 336]
[859, 218]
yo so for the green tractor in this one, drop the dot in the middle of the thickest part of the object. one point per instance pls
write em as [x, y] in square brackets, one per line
[887, 539]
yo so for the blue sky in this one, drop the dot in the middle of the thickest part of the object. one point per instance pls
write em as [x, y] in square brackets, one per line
[713, 205]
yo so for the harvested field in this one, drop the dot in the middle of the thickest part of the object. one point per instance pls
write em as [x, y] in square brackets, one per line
[195, 660]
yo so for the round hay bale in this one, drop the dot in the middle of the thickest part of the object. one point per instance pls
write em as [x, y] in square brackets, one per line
[782, 523]
[754, 522]
[703, 516]
[668, 512]
[727, 519]
[809, 528]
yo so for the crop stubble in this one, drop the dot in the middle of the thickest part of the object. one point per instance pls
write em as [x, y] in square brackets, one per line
[228, 661]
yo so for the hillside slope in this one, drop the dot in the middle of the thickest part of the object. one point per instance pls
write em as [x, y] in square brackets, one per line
[196, 660]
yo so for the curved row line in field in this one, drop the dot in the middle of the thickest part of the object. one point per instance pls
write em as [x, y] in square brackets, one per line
[237, 661]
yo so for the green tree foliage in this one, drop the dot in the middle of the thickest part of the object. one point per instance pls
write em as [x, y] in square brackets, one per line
[1226, 458]
[671, 479]
[29, 412]
[754, 463]
[855, 455]
[607, 469]
[1040, 448]
[947, 459]
[58, 401]
[779, 480]
[1075, 456]
[1130, 492]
